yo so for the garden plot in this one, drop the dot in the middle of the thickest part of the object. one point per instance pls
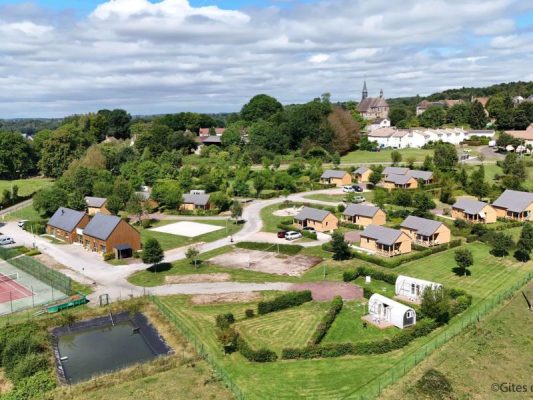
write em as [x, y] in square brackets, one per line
[187, 228]
[267, 262]
[326, 291]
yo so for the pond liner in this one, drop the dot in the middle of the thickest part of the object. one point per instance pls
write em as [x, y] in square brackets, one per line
[141, 326]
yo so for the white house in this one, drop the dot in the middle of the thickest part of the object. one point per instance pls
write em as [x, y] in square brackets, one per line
[378, 124]
[412, 289]
[381, 310]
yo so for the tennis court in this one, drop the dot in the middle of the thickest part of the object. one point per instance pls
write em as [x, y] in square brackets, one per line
[21, 290]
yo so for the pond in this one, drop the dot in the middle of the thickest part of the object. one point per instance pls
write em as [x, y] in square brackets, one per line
[104, 345]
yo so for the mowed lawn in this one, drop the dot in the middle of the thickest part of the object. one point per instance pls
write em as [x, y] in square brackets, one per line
[287, 328]
[26, 187]
[495, 350]
[360, 156]
[337, 198]
[28, 213]
[271, 221]
[169, 241]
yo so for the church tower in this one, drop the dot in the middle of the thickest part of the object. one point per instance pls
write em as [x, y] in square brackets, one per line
[381, 94]
[365, 92]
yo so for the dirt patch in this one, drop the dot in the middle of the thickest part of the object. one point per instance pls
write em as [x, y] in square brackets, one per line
[5, 384]
[325, 291]
[197, 278]
[287, 212]
[49, 261]
[244, 297]
[267, 262]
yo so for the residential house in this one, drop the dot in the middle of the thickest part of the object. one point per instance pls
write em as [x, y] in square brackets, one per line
[487, 133]
[385, 241]
[195, 200]
[96, 205]
[426, 232]
[526, 136]
[378, 124]
[394, 181]
[109, 233]
[320, 220]
[412, 289]
[474, 211]
[364, 215]
[211, 140]
[425, 177]
[395, 171]
[383, 311]
[362, 174]
[67, 224]
[514, 205]
[425, 104]
[336, 177]
[203, 132]
[373, 107]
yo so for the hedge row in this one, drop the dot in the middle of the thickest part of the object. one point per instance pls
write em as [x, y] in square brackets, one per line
[381, 346]
[223, 321]
[288, 300]
[261, 355]
[287, 249]
[350, 225]
[326, 322]
[395, 262]
[349, 276]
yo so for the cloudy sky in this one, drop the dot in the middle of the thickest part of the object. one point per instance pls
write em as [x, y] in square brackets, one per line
[59, 57]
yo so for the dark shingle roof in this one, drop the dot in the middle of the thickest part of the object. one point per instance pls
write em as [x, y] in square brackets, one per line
[361, 170]
[395, 170]
[331, 173]
[417, 174]
[514, 201]
[66, 219]
[311, 213]
[423, 226]
[398, 179]
[381, 234]
[196, 199]
[101, 226]
[360, 209]
[370, 103]
[469, 206]
[95, 202]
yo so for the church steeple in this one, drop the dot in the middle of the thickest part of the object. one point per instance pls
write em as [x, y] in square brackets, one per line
[381, 94]
[365, 92]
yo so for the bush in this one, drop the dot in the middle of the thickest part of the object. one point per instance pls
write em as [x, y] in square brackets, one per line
[29, 365]
[309, 235]
[288, 300]
[373, 273]
[349, 225]
[146, 223]
[228, 337]
[109, 256]
[327, 320]
[223, 321]
[36, 227]
[249, 313]
[32, 388]
[261, 355]
[471, 238]
[434, 385]
[461, 224]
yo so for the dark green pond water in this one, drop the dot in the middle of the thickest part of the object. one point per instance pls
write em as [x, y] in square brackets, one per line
[102, 350]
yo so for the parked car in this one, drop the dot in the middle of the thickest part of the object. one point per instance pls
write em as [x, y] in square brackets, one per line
[357, 188]
[22, 223]
[292, 235]
[348, 189]
[309, 229]
[359, 199]
[5, 240]
[281, 234]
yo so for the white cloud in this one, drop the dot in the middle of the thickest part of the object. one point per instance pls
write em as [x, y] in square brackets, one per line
[169, 56]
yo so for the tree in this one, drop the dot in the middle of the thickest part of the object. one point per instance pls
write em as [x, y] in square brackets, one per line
[114, 204]
[260, 181]
[423, 202]
[367, 145]
[152, 252]
[464, 259]
[445, 157]
[478, 117]
[375, 175]
[192, 254]
[428, 163]
[259, 107]
[433, 117]
[501, 244]
[396, 157]
[47, 201]
[134, 206]
[336, 159]
[436, 304]
[458, 114]
[17, 158]
[340, 248]
[236, 210]
[478, 186]
[168, 194]
[525, 244]
[76, 201]
[398, 114]
[268, 136]
[380, 197]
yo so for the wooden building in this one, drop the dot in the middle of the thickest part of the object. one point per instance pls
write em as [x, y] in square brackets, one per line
[67, 224]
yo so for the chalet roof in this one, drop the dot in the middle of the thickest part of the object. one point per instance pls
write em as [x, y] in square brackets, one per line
[514, 200]
[332, 173]
[313, 214]
[360, 209]
[423, 226]
[211, 140]
[196, 199]
[524, 135]
[470, 206]
[382, 132]
[371, 102]
[101, 226]
[382, 234]
[418, 174]
[398, 179]
[66, 219]
[395, 170]
[361, 170]
[95, 202]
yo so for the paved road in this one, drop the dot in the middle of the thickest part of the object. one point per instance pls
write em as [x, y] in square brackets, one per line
[89, 267]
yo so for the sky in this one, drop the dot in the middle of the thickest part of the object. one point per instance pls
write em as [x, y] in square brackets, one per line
[60, 57]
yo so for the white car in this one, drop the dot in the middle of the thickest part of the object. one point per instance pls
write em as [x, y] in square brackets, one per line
[5, 240]
[21, 223]
[292, 235]
[348, 189]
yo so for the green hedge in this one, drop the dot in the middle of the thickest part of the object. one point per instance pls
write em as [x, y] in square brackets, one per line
[287, 249]
[349, 276]
[261, 355]
[381, 346]
[327, 320]
[288, 300]
[223, 321]
[395, 262]
[349, 225]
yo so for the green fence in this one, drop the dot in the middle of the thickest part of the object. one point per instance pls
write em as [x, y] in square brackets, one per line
[200, 348]
[373, 388]
[55, 279]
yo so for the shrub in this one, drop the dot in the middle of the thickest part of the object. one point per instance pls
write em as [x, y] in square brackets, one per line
[288, 300]
[32, 388]
[471, 238]
[29, 365]
[349, 225]
[434, 385]
[36, 227]
[249, 313]
[223, 321]
[228, 337]
[327, 320]
[461, 224]
[146, 223]
[109, 256]
[309, 235]
[261, 355]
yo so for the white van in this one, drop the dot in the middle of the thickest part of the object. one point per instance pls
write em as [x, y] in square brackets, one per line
[5, 240]
[292, 235]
